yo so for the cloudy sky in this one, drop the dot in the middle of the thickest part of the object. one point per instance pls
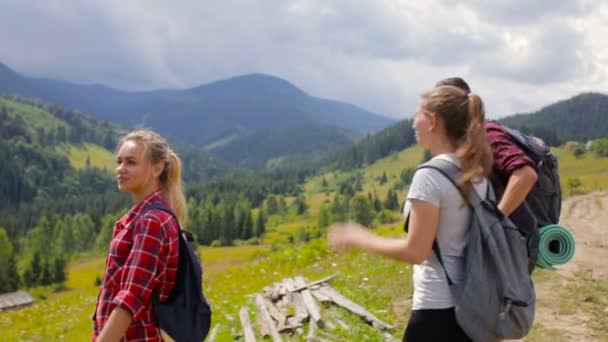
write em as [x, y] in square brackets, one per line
[519, 55]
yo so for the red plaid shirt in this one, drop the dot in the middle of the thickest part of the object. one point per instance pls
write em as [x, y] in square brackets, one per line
[143, 256]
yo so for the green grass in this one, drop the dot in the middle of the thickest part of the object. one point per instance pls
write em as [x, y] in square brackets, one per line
[232, 275]
[588, 295]
[283, 231]
[541, 334]
[98, 156]
[371, 281]
[590, 169]
[64, 315]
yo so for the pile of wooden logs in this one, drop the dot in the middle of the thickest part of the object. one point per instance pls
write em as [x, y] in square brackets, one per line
[284, 307]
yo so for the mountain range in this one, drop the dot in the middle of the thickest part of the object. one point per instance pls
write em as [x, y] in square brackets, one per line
[257, 120]
[213, 114]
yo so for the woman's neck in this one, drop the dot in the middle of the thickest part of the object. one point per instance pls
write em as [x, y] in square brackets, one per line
[441, 147]
[142, 195]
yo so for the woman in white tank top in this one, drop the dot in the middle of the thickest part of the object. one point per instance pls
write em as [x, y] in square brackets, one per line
[449, 123]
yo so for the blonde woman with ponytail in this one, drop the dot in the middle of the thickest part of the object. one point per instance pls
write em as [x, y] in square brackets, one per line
[450, 123]
[143, 253]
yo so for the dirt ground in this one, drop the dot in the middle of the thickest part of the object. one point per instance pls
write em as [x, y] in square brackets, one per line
[561, 314]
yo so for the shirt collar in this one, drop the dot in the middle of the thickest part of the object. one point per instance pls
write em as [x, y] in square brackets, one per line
[154, 197]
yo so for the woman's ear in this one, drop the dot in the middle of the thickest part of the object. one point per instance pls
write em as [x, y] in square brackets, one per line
[157, 169]
[434, 121]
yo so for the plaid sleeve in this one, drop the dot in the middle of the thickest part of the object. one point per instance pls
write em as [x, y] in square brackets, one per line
[508, 157]
[139, 276]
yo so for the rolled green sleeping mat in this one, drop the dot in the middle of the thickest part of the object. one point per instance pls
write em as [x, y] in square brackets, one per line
[556, 246]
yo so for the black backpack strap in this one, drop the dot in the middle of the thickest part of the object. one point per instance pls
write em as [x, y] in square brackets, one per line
[160, 206]
[533, 146]
[452, 173]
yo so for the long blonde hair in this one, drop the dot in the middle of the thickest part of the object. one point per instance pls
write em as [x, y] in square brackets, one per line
[463, 116]
[157, 150]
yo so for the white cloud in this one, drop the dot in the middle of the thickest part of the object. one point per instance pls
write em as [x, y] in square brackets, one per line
[519, 55]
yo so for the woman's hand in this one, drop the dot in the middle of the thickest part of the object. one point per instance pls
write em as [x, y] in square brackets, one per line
[343, 236]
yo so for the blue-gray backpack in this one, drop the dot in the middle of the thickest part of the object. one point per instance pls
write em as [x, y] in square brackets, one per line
[496, 299]
[185, 315]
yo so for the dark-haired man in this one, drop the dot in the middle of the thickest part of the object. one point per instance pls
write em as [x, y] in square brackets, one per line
[513, 178]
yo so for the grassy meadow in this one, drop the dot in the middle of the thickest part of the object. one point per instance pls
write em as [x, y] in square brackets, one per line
[591, 170]
[97, 156]
[232, 275]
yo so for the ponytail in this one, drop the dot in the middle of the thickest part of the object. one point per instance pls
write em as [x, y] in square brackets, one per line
[463, 116]
[171, 186]
[474, 151]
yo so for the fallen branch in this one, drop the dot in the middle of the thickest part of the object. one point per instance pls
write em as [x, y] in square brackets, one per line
[316, 282]
[355, 308]
[320, 297]
[309, 302]
[266, 317]
[275, 313]
[213, 333]
[246, 323]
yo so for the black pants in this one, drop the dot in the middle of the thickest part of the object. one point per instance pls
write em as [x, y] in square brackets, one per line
[434, 325]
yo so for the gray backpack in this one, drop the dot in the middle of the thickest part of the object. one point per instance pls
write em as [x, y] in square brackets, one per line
[496, 299]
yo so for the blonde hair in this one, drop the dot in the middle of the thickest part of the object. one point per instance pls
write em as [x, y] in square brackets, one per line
[157, 150]
[463, 117]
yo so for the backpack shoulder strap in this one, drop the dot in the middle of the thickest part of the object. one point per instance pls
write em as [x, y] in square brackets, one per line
[160, 206]
[451, 172]
[534, 147]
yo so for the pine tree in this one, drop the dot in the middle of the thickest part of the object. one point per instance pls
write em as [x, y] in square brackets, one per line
[13, 275]
[28, 278]
[228, 233]
[46, 277]
[384, 179]
[58, 270]
[272, 206]
[377, 204]
[9, 278]
[361, 210]
[282, 204]
[323, 217]
[391, 203]
[260, 226]
[102, 242]
[396, 201]
[301, 206]
[247, 232]
[204, 231]
[36, 269]
[339, 209]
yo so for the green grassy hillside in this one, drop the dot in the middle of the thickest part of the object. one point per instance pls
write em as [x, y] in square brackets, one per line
[95, 155]
[50, 127]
